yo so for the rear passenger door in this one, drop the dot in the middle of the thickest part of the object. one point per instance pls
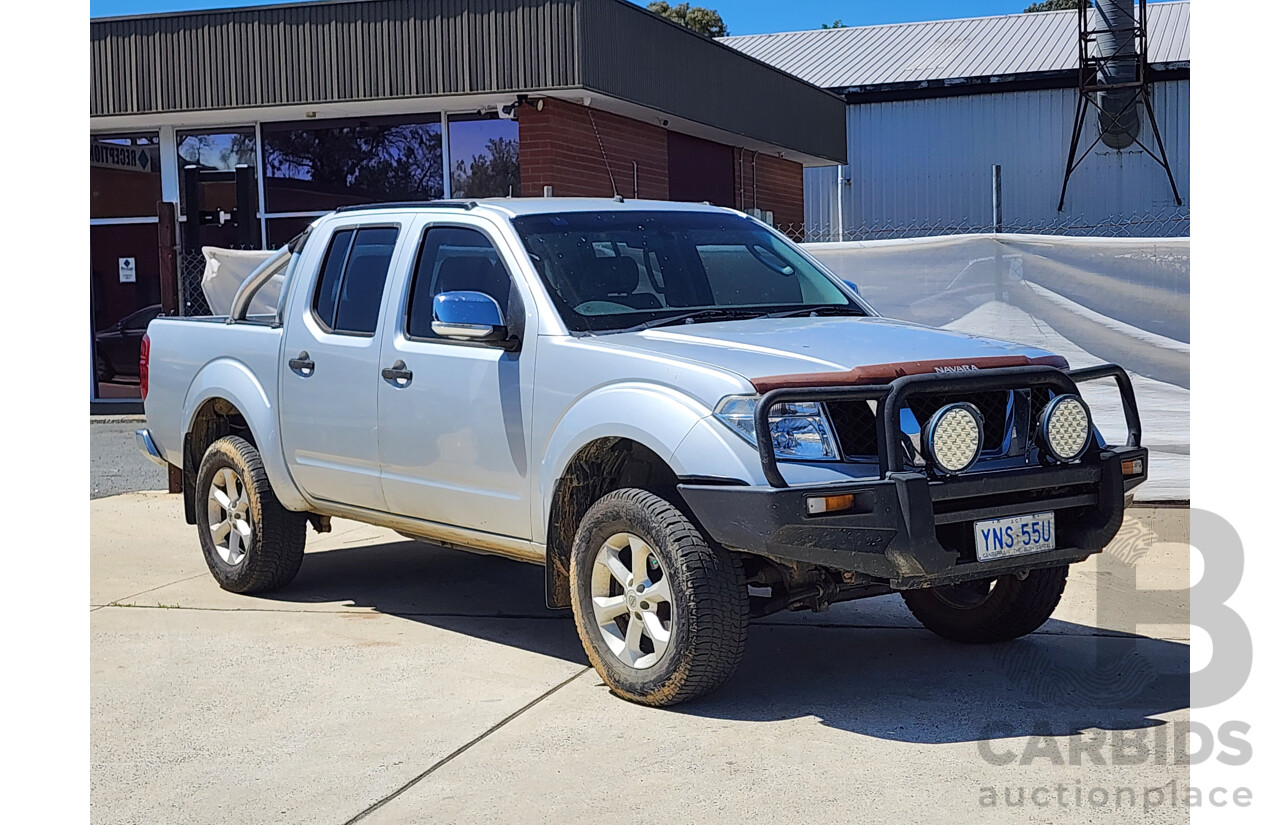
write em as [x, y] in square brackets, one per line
[455, 435]
[329, 376]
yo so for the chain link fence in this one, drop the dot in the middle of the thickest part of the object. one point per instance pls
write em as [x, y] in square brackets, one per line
[1172, 223]
[191, 300]
[191, 272]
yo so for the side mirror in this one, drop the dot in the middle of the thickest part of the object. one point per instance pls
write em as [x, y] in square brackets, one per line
[852, 286]
[468, 316]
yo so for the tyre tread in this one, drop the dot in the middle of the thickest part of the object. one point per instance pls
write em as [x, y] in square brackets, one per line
[1016, 607]
[716, 608]
[281, 533]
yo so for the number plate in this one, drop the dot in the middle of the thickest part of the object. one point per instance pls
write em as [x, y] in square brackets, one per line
[1013, 536]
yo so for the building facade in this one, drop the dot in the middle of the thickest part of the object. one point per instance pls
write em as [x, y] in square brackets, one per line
[933, 106]
[253, 122]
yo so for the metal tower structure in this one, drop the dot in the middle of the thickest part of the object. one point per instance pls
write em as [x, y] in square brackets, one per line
[1114, 81]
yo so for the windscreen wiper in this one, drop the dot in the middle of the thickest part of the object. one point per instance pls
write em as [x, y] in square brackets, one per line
[849, 309]
[708, 314]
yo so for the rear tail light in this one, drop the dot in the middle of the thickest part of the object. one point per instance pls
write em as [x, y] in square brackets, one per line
[144, 357]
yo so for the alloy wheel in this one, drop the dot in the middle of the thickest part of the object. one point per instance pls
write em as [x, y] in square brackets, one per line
[230, 524]
[631, 600]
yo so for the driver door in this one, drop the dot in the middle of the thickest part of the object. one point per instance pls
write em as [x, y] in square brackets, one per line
[455, 436]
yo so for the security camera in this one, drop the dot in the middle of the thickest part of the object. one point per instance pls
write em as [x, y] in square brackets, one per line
[508, 112]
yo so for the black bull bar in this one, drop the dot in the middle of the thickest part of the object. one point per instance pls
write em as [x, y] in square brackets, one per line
[893, 397]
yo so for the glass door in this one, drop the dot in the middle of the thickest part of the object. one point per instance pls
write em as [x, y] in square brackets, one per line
[124, 261]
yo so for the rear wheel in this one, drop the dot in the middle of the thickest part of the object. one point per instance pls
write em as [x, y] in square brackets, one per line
[992, 610]
[251, 543]
[662, 614]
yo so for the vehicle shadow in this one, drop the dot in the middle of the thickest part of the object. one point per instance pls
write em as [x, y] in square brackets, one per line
[864, 667]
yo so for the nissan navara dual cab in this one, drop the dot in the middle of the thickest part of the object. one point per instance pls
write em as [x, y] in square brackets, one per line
[679, 413]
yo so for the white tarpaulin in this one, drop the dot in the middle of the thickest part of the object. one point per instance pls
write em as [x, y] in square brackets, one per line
[1091, 300]
[226, 269]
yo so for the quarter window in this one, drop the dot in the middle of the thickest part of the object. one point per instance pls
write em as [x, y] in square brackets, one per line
[349, 293]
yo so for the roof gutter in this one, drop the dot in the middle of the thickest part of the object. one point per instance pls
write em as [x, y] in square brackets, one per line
[993, 84]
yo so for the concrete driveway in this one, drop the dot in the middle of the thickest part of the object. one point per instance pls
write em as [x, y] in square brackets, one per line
[398, 682]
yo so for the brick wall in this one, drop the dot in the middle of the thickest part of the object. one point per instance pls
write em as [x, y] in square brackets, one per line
[558, 148]
[772, 184]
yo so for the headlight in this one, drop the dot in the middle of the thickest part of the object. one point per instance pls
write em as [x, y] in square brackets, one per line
[799, 431]
[953, 437]
[1065, 427]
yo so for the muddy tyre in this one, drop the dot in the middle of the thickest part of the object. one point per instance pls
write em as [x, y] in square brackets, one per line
[992, 611]
[662, 613]
[251, 543]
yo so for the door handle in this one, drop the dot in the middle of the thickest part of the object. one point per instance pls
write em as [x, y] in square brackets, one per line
[397, 372]
[303, 364]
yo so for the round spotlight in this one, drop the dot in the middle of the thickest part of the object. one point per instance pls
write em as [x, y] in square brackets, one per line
[1065, 427]
[953, 437]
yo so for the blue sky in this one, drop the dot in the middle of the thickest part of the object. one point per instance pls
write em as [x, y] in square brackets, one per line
[741, 16]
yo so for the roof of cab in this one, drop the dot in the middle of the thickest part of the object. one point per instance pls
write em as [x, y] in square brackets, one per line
[515, 207]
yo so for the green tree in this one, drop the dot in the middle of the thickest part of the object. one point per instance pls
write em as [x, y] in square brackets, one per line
[839, 24]
[703, 21]
[1056, 5]
[495, 174]
[400, 162]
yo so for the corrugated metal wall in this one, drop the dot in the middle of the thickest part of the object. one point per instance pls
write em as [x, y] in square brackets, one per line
[331, 52]
[927, 163]
[381, 49]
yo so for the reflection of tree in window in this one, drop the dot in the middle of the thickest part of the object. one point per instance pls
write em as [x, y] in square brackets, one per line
[355, 163]
[495, 173]
[216, 151]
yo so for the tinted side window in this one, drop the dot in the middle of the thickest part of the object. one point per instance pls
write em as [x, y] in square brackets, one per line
[367, 266]
[454, 259]
[349, 293]
[335, 260]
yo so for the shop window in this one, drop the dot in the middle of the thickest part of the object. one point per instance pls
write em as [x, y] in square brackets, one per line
[317, 166]
[282, 230]
[485, 155]
[124, 176]
[218, 171]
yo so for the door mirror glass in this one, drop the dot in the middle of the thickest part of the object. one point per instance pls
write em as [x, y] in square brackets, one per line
[467, 316]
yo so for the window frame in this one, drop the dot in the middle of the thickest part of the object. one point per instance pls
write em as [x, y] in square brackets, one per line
[354, 228]
[517, 301]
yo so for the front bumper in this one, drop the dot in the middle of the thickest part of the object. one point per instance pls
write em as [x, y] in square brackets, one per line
[913, 532]
[910, 530]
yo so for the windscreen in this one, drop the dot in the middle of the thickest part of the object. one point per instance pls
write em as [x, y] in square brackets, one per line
[612, 271]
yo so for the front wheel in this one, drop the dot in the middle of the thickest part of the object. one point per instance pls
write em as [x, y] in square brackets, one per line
[992, 610]
[251, 543]
[662, 614]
